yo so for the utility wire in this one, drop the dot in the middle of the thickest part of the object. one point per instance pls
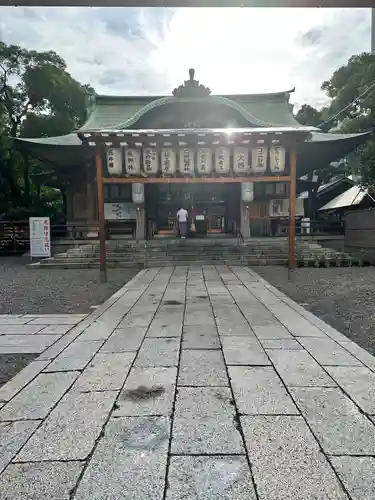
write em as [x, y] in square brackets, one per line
[347, 106]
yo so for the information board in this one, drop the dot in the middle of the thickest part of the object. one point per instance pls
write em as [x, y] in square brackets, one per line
[40, 237]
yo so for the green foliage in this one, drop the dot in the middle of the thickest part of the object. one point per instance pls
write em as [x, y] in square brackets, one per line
[309, 116]
[352, 90]
[38, 98]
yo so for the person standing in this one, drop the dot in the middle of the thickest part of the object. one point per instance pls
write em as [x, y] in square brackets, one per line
[182, 219]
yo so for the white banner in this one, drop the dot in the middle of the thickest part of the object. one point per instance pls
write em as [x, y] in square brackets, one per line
[241, 160]
[247, 191]
[114, 161]
[40, 237]
[168, 161]
[119, 211]
[132, 161]
[204, 161]
[222, 160]
[138, 192]
[150, 161]
[277, 158]
[186, 164]
[259, 160]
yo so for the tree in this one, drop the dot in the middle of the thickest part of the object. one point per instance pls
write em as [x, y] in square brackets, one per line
[352, 90]
[38, 98]
[309, 116]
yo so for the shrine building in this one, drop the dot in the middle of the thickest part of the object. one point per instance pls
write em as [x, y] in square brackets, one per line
[227, 159]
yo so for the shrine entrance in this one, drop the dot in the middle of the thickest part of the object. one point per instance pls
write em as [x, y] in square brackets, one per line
[212, 208]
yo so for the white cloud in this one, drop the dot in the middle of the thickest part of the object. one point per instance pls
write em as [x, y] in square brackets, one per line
[149, 51]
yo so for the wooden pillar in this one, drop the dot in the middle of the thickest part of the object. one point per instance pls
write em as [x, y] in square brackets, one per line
[99, 182]
[292, 208]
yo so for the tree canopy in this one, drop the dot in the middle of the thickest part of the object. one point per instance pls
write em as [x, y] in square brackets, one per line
[38, 98]
[351, 91]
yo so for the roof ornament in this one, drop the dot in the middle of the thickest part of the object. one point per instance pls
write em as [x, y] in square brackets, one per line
[191, 88]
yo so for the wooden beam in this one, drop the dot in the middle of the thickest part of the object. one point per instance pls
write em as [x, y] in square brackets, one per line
[192, 180]
[99, 182]
[292, 209]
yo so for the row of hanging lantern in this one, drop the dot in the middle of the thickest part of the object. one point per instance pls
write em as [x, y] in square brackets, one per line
[169, 161]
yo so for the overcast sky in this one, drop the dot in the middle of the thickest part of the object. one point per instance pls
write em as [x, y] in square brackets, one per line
[149, 51]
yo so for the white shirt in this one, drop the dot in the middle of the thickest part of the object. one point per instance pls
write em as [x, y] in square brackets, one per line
[182, 215]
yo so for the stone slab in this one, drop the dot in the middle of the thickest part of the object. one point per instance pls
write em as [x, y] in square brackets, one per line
[98, 330]
[200, 341]
[10, 389]
[243, 351]
[286, 460]
[272, 330]
[158, 352]
[199, 318]
[204, 422]
[66, 319]
[339, 426]
[202, 368]
[59, 346]
[55, 329]
[132, 320]
[37, 481]
[106, 372]
[298, 368]
[328, 352]
[13, 435]
[21, 349]
[210, 478]
[13, 320]
[209, 329]
[123, 340]
[70, 431]
[129, 462]
[167, 328]
[233, 326]
[358, 476]
[75, 356]
[37, 399]
[288, 344]
[357, 351]
[147, 392]
[259, 391]
[358, 383]
[20, 329]
[37, 341]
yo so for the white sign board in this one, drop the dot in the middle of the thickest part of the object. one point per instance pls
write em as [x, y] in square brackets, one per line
[120, 211]
[40, 237]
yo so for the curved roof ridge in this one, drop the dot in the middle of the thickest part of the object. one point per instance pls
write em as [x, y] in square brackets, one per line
[212, 98]
[156, 97]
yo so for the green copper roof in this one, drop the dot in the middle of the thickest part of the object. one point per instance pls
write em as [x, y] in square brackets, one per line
[261, 110]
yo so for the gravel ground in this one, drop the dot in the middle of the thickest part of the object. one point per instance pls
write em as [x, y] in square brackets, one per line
[342, 297]
[11, 364]
[51, 291]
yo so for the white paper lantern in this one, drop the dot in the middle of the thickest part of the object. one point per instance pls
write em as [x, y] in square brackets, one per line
[132, 161]
[168, 161]
[241, 160]
[204, 161]
[138, 192]
[222, 161]
[277, 158]
[247, 191]
[150, 161]
[186, 163]
[259, 159]
[114, 161]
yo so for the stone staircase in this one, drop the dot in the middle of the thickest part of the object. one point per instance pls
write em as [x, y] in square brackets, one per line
[229, 251]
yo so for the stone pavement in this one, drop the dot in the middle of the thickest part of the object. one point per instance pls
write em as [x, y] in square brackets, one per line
[192, 383]
[33, 333]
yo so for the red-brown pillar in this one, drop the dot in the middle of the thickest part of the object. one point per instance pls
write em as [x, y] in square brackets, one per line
[99, 182]
[292, 209]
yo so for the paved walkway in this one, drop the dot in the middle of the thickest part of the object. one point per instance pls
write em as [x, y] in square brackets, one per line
[192, 384]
